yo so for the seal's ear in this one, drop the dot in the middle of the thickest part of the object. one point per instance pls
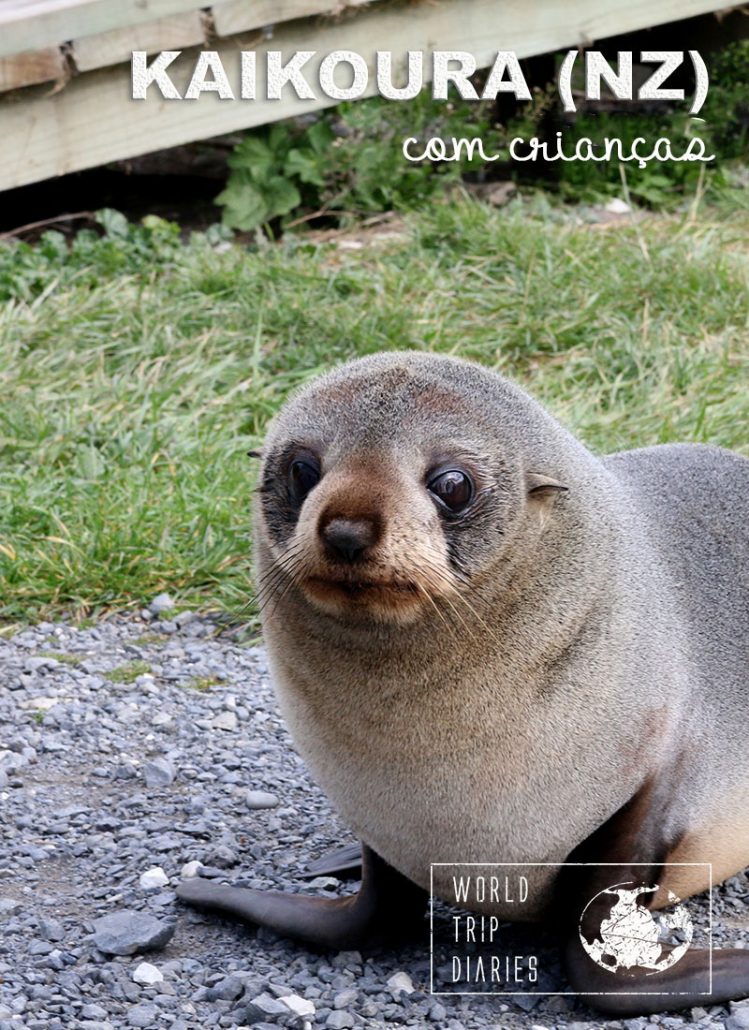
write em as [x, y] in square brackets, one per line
[254, 454]
[541, 487]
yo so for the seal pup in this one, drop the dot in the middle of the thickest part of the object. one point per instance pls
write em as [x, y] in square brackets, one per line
[490, 644]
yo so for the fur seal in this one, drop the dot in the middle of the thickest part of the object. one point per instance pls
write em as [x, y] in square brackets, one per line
[492, 645]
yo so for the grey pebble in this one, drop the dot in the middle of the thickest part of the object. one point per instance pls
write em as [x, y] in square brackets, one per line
[125, 932]
[159, 773]
[248, 1015]
[344, 999]
[222, 857]
[225, 721]
[257, 799]
[33, 665]
[9, 907]
[269, 1006]
[160, 604]
[51, 929]
[146, 1016]
[93, 1012]
[228, 989]
[339, 1020]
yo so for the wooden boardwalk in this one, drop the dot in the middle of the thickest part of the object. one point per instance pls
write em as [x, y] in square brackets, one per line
[65, 79]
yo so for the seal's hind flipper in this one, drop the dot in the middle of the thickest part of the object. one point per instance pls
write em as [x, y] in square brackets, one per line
[324, 922]
[386, 906]
[344, 863]
[620, 993]
[626, 856]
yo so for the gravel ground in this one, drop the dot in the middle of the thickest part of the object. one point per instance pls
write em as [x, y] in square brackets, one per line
[150, 742]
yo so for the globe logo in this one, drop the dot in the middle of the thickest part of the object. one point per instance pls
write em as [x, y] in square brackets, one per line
[633, 937]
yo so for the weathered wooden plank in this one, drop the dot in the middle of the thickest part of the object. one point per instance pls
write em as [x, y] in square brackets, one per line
[175, 33]
[93, 120]
[33, 24]
[235, 16]
[29, 69]
[29, 24]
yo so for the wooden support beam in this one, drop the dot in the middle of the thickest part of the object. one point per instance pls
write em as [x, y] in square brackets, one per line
[28, 69]
[93, 120]
[33, 24]
[233, 16]
[117, 45]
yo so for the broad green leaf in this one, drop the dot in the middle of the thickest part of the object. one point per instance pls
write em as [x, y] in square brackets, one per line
[245, 207]
[306, 166]
[281, 196]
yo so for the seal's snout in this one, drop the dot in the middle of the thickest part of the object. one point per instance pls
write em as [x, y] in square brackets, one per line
[349, 539]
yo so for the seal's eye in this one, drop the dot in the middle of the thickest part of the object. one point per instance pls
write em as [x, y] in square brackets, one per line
[304, 475]
[452, 489]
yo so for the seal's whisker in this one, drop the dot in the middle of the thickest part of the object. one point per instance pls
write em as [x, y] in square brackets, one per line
[291, 552]
[270, 579]
[282, 573]
[459, 617]
[292, 568]
[274, 590]
[423, 592]
[444, 581]
[463, 600]
[448, 596]
[472, 611]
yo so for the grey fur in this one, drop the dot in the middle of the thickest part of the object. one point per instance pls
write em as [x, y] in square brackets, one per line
[596, 637]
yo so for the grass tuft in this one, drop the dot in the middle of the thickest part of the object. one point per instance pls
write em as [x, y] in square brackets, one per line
[202, 683]
[64, 659]
[129, 672]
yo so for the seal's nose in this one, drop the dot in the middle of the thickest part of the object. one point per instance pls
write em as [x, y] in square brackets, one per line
[349, 539]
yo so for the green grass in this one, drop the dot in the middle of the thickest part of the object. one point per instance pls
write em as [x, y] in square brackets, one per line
[64, 659]
[129, 672]
[137, 371]
[202, 683]
[149, 639]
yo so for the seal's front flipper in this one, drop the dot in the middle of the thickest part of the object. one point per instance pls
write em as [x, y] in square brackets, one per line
[612, 949]
[344, 863]
[386, 906]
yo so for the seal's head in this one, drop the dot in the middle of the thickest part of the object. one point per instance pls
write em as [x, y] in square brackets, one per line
[388, 485]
